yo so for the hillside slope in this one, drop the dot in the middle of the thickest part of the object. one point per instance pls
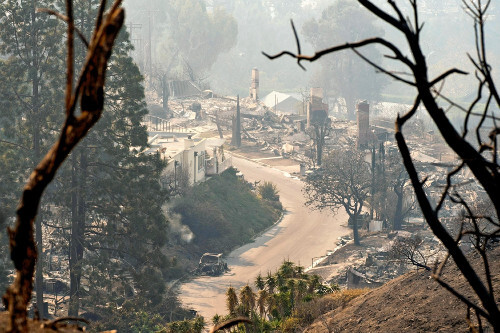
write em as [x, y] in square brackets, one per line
[413, 302]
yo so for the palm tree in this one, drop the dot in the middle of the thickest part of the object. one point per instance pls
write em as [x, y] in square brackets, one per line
[287, 269]
[259, 282]
[290, 283]
[313, 283]
[262, 302]
[301, 289]
[280, 281]
[270, 283]
[231, 300]
[247, 299]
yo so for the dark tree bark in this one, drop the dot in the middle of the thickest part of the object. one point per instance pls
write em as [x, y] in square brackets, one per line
[78, 176]
[398, 214]
[355, 229]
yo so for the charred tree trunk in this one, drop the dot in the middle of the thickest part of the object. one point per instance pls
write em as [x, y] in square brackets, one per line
[319, 155]
[79, 174]
[35, 104]
[355, 228]
[319, 146]
[217, 122]
[236, 139]
[398, 214]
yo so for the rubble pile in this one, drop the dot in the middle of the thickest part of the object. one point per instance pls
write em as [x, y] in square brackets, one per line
[374, 263]
[286, 136]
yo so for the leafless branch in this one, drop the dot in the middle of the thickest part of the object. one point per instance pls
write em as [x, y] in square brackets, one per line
[370, 41]
[65, 19]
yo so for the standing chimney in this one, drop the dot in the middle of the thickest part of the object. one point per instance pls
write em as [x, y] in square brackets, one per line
[363, 118]
[254, 87]
[316, 109]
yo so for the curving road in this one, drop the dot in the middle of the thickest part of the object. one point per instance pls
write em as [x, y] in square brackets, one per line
[301, 235]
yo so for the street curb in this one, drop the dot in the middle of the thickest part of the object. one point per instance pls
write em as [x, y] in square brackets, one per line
[249, 159]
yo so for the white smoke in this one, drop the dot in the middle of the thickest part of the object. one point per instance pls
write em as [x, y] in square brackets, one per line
[175, 225]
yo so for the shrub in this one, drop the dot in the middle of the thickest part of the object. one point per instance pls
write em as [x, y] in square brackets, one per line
[223, 212]
[268, 191]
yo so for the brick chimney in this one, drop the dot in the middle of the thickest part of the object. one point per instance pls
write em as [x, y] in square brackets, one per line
[316, 109]
[254, 87]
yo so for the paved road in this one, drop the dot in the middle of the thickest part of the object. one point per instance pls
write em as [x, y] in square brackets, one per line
[301, 235]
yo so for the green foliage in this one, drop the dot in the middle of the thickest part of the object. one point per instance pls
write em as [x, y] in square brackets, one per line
[134, 315]
[247, 299]
[223, 212]
[259, 282]
[231, 300]
[29, 110]
[281, 309]
[195, 325]
[144, 322]
[268, 191]
[29, 93]
[107, 195]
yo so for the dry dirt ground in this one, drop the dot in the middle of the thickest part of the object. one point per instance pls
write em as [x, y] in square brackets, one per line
[413, 302]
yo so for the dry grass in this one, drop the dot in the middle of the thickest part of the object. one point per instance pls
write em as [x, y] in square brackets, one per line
[413, 302]
[308, 312]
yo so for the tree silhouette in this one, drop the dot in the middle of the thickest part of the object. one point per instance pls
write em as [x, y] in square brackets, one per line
[477, 151]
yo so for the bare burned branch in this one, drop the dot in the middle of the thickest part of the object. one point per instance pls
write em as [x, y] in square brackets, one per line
[370, 41]
[65, 19]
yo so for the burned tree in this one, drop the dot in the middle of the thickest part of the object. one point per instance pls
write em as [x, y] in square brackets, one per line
[89, 91]
[319, 125]
[477, 151]
[391, 196]
[344, 181]
[319, 129]
[409, 249]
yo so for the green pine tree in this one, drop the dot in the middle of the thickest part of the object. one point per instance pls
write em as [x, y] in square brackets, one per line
[30, 90]
[108, 195]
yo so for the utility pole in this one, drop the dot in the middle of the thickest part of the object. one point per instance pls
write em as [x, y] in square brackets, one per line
[148, 49]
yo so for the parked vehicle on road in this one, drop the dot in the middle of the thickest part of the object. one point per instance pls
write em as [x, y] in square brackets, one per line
[212, 264]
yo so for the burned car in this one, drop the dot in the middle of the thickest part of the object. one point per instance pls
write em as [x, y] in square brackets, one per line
[211, 264]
